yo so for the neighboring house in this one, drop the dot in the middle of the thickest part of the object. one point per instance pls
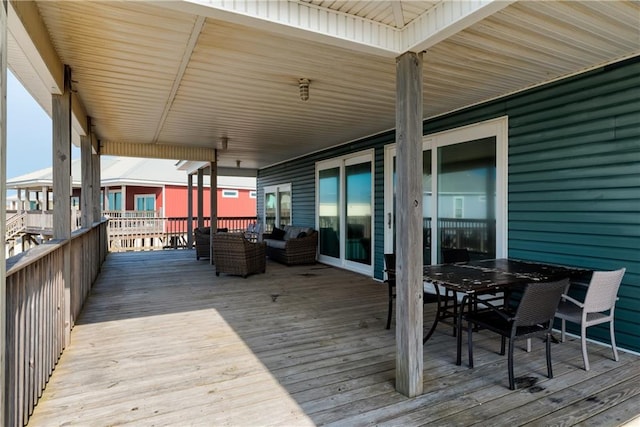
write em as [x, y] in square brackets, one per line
[553, 171]
[140, 184]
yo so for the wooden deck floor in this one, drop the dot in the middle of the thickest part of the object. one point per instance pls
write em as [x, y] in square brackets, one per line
[163, 341]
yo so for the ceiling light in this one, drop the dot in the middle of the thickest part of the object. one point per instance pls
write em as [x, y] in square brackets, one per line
[304, 89]
[225, 142]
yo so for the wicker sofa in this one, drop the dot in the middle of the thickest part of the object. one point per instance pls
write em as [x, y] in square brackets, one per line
[299, 245]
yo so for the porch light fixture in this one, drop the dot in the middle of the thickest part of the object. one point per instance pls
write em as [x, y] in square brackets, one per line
[304, 89]
[225, 142]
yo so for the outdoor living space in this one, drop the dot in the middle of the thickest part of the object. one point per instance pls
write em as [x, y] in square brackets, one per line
[163, 341]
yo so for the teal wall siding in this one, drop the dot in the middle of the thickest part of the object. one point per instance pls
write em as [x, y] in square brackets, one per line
[301, 174]
[573, 184]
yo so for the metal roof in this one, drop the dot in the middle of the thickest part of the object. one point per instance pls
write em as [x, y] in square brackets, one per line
[117, 171]
[171, 77]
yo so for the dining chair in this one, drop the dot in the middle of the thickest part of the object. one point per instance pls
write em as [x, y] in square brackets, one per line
[427, 298]
[453, 255]
[533, 317]
[597, 308]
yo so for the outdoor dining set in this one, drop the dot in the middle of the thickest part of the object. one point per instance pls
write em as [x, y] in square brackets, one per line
[516, 299]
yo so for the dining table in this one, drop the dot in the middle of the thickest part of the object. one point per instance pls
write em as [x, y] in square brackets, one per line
[493, 276]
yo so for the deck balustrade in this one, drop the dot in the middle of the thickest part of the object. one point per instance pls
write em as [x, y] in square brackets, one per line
[135, 233]
[35, 316]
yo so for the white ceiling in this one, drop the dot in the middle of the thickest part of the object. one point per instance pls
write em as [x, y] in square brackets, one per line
[187, 74]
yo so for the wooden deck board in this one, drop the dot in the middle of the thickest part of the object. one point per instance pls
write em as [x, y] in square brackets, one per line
[163, 341]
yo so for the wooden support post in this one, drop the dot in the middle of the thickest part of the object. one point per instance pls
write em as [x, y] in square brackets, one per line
[123, 201]
[86, 194]
[3, 212]
[189, 211]
[200, 198]
[62, 188]
[95, 168]
[409, 289]
[213, 200]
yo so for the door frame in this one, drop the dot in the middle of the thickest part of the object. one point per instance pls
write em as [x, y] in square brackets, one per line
[341, 162]
[497, 128]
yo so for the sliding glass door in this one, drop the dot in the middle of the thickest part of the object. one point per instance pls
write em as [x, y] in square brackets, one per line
[390, 223]
[466, 171]
[345, 211]
[277, 206]
[329, 211]
[467, 197]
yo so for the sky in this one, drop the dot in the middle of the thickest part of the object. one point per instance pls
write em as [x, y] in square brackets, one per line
[28, 132]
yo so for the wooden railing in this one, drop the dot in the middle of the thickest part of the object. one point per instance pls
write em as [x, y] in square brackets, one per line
[15, 225]
[131, 233]
[476, 235]
[42, 221]
[36, 322]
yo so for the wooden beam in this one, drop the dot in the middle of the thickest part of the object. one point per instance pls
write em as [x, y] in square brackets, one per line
[444, 20]
[61, 121]
[62, 164]
[213, 200]
[189, 211]
[200, 198]
[31, 35]
[86, 194]
[398, 15]
[95, 167]
[3, 202]
[186, 57]
[28, 29]
[409, 291]
[156, 151]
[79, 117]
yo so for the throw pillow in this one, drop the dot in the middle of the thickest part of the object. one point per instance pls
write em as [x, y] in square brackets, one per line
[301, 234]
[277, 233]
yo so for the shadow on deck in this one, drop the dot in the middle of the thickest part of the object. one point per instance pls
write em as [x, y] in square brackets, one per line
[163, 341]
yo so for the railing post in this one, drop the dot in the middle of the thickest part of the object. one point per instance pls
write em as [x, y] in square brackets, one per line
[3, 203]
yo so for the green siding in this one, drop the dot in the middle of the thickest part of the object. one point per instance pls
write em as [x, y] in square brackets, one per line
[573, 184]
[301, 174]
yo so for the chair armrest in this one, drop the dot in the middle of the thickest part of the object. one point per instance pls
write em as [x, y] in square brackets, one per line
[572, 300]
[302, 242]
[500, 312]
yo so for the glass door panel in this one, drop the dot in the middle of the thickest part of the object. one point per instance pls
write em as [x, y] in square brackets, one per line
[426, 205]
[358, 213]
[115, 201]
[467, 197]
[328, 211]
[284, 203]
[269, 211]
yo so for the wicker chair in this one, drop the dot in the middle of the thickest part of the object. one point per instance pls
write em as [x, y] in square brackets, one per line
[202, 239]
[202, 242]
[597, 307]
[233, 254]
[532, 318]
